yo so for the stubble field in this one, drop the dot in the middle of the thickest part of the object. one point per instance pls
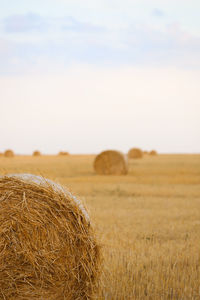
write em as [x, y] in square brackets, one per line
[147, 222]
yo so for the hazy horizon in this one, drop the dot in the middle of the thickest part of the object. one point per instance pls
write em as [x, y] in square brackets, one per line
[101, 75]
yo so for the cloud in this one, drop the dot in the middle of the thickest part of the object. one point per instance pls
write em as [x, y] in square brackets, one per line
[71, 24]
[24, 23]
[66, 41]
[158, 12]
[5, 47]
[32, 22]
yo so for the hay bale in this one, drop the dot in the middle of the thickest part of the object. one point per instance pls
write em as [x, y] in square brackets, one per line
[145, 152]
[9, 153]
[48, 249]
[153, 152]
[110, 162]
[36, 153]
[63, 153]
[135, 153]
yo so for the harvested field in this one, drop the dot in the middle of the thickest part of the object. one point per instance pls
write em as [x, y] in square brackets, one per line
[148, 222]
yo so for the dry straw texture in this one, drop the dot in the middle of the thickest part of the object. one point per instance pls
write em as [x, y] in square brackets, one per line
[110, 162]
[48, 249]
[153, 152]
[9, 153]
[36, 153]
[135, 153]
[63, 153]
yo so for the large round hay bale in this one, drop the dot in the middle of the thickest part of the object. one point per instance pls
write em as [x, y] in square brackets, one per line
[153, 152]
[9, 153]
[63, 153]
[135, 153]
[48, 248]
[110, 162]
[36, 153]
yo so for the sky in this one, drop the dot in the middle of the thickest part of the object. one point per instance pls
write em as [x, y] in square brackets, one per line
[85, 76]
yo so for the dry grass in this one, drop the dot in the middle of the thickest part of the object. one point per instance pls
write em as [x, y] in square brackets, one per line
[148, 221]
[63, 153]
[36, 153]
[110, 162]
[9, 153]
[153, 152]
[135, 153]
[48, 249]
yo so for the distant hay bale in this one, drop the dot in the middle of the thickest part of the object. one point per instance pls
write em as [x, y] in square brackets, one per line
[145, 152]
[1, 154]
[153, 152]
[48, 248]
[135, 153]
[36, 153]
[63, 153]
[110, 162]
[9, 153]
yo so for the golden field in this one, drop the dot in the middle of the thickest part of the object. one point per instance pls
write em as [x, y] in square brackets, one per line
[147, 222]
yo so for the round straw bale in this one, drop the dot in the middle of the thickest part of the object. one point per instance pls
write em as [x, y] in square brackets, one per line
[135, 153]
[48, 248]
[63, 153]
[9, 153]
[36, 153]
[153, 152]
[110, 162]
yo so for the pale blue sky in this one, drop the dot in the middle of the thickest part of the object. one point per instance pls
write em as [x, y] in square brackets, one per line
[132, 32]
[111, 12]
[60, 51]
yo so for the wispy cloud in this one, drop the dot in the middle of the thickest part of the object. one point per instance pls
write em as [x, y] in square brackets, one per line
[31, 40]
[24, 23]
[158, 12]
[71, 24]
[32, 22]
